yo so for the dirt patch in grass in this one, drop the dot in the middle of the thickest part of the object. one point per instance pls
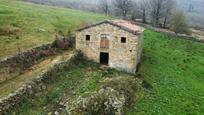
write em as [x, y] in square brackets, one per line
[199, 34]
[9, 30]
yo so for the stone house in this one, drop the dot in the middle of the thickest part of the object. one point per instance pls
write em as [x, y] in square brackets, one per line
[115, 43]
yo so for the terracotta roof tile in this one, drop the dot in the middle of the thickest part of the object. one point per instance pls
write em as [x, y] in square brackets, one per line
[128, 24]
[123, 24]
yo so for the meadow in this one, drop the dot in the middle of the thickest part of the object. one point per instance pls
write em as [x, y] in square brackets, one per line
[26, 25]
[174, 67]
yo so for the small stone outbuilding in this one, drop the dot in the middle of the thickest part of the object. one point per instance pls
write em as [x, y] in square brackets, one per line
[116, 43]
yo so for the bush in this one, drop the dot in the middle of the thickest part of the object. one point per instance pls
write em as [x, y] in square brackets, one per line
[179, 23]
[114, 95]
[64, 42]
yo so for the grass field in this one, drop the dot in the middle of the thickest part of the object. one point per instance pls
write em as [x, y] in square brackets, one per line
[35, 24]
[175, 69]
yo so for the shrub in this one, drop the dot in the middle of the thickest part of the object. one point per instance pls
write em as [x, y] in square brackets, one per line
[114, 95]
[63, 44]
[179, 23]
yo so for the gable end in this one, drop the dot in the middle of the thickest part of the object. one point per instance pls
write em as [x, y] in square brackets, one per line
[111, 23]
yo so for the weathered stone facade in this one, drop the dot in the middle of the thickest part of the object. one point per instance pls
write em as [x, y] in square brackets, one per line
[122, 56]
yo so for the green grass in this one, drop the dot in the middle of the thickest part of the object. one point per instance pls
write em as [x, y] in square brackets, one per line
[38, 24]
[76, 81]
[175, 69]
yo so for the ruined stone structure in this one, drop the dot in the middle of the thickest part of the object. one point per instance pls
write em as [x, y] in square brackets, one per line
[116, 43]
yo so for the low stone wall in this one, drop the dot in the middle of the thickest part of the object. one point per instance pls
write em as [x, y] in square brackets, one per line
[114, 95]
[12, 66]
[35, 86]
[171, 33]
[27, 58]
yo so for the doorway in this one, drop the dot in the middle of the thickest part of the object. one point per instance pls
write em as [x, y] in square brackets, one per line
[104, 58]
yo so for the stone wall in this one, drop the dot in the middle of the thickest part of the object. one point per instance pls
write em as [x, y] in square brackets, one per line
[35, 86]
[171, 33]
[12, 66]
[123, 56]
[113, 97]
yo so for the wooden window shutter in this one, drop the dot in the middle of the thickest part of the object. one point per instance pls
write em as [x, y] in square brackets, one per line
[104, 41]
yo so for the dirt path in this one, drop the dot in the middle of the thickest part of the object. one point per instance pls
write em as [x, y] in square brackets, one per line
[13, 84]
[199, 34]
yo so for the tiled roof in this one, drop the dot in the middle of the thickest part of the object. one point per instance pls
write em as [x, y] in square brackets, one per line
[128, 24]
[123, 24]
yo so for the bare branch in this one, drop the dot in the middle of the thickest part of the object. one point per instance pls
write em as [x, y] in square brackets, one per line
[123, 6]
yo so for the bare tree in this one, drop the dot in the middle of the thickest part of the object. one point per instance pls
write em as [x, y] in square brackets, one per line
[123, 6]
[156, 11]
[169, 7]
[161, 9]
[144, 5]
[104, 6]
[135, 14]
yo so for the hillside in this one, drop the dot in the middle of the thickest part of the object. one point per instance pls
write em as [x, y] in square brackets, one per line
[25, 25]
[192, 8]
[73, 4]
[172, 68]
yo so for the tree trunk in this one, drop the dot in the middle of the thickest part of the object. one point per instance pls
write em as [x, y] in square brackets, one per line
[144, 17]
[165, 21]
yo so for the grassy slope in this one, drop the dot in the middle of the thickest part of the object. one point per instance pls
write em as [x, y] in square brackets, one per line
[38, 24]
[175, 68]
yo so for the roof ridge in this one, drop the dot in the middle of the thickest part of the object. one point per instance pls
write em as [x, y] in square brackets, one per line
[114, 23]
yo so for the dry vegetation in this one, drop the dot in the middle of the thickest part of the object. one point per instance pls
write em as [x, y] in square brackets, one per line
[196, 33]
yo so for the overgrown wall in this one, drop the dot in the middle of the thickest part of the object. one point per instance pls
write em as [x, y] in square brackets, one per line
[35, 86]
[171, 33]
[12, 66]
